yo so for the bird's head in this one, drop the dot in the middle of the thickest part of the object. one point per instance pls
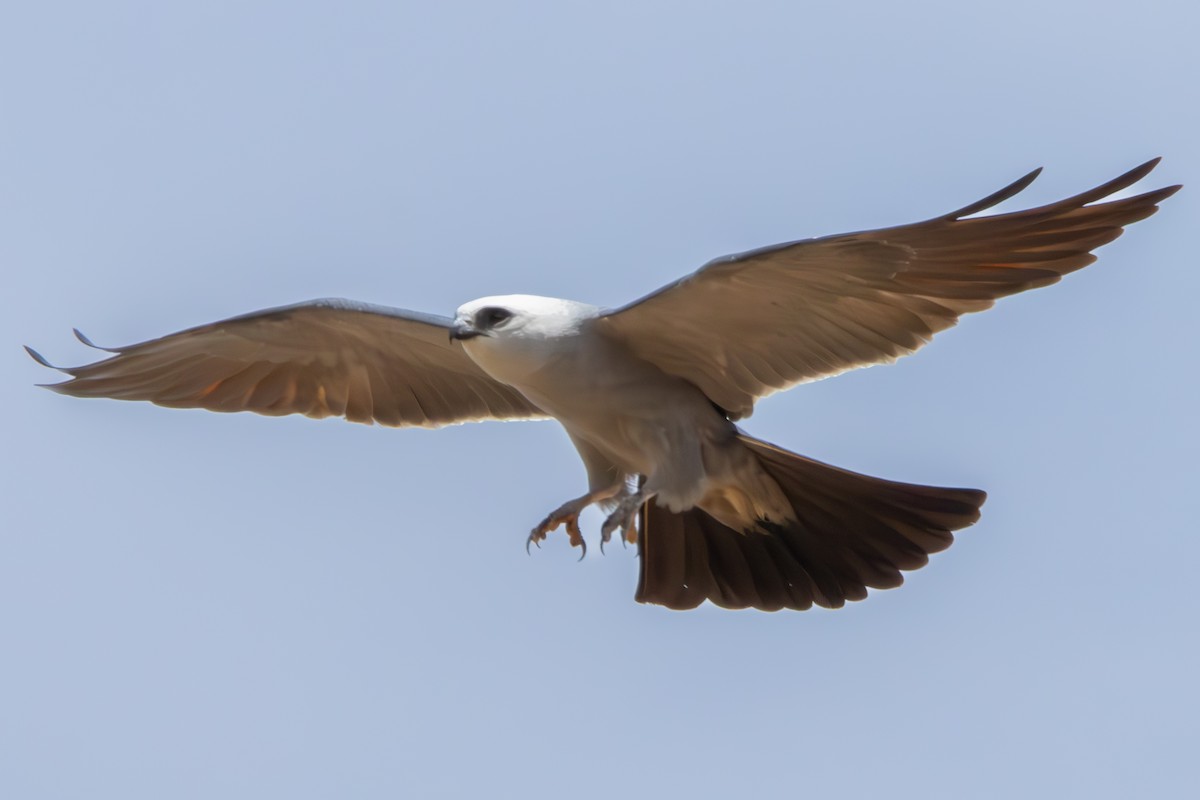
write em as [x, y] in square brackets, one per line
[519, 316]
[515, 334]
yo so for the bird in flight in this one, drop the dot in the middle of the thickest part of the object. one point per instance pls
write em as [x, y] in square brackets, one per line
[650, 393]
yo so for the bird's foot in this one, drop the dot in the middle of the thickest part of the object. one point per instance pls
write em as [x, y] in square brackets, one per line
[567, 514]
[624, 519]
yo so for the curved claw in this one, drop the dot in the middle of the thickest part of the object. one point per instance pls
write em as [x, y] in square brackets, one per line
[535, 538]
[628, 536]
[550, 523]
[575, 535]
[620, 520]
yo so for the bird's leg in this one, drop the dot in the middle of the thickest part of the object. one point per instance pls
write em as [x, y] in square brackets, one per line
[624, 516]
[568, 514]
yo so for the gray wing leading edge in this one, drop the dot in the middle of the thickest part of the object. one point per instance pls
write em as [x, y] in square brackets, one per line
[748, 325]
[322, 358]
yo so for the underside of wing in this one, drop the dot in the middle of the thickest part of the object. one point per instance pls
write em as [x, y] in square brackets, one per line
[747, 325]
[321, 358]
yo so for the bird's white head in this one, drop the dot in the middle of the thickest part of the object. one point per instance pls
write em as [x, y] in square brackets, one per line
[510, 336]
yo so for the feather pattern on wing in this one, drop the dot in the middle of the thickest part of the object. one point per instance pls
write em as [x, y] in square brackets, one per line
[747, 325]
[322, 358]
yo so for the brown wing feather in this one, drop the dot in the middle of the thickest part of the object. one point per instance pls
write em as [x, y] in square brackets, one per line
[748, 325]
[324, 358]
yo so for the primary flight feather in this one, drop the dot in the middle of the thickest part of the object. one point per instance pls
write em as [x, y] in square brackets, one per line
[649, 393]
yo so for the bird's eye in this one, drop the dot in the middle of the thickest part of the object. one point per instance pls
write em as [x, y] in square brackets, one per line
[491, 317]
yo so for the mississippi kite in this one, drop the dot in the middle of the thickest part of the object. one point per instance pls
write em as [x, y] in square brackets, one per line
[649, 393]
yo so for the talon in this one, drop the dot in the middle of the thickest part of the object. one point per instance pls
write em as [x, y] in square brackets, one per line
[550, 523]
[611, 524]
[574, 534]
[623, 518]
[533, 539]
[538, 534]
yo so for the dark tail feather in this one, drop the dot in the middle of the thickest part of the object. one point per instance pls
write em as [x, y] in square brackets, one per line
[854, 532]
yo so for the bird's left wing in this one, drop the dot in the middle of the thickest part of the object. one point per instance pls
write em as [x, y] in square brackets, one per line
[747, 325]
[321, 358]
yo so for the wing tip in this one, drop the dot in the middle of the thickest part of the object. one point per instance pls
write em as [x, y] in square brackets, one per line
[1117, 184]
[82, 337]
[1142, 170]
[997, 197]
[39, 358]
[62, 387]
[1122, 181]
[1166, 191]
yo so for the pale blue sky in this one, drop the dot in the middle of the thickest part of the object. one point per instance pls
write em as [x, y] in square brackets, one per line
[196, 605]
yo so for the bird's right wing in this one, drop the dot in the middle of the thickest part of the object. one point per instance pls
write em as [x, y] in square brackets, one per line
[321, 358]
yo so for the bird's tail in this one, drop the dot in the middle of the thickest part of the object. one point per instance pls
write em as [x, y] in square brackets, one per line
[852, 532]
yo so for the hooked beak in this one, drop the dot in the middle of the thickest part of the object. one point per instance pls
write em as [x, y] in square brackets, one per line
[462, 331]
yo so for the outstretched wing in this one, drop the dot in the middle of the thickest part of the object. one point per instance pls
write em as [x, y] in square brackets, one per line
[322, 358]
[748, 325]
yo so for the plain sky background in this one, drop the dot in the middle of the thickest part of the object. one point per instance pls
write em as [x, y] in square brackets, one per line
[196, 605]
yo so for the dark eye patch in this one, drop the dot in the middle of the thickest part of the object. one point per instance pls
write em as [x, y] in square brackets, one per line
[491, 316]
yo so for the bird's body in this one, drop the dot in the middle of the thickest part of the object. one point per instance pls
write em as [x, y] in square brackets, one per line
[625, 415]
[650, 393]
